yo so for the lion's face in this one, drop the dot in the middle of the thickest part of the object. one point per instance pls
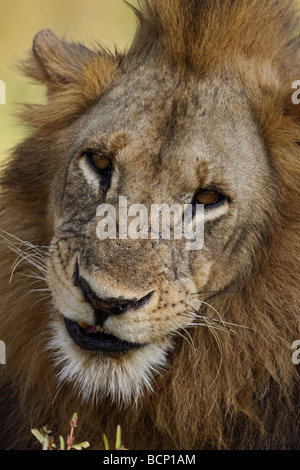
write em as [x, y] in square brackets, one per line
[121, 303]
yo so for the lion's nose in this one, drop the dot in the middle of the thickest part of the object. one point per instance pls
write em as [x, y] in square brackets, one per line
[104, 308]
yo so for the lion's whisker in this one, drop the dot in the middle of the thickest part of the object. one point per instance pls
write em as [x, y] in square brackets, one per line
[222, 292]
[33, 276]
[176, 332]
[199, 314]
[28, 257]
[207, 323]
[37, 258]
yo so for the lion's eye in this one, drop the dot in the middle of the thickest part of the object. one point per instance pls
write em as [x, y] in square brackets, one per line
[209, 197]
[99, 162]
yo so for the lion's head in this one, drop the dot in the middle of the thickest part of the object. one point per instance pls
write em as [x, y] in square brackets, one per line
[198, 112]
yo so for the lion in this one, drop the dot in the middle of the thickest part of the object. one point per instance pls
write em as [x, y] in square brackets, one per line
[184, 349]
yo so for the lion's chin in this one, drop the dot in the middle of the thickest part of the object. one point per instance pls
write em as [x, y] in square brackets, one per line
[95, 375]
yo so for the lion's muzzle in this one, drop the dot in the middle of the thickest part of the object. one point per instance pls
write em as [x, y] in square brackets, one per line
[93, 337]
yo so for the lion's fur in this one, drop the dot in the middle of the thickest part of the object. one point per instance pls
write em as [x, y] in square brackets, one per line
[248, 397]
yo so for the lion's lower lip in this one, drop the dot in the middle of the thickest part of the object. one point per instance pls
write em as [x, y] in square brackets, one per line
[97, 341]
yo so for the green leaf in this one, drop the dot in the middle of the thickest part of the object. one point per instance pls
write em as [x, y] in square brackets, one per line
[46, 443]
[83, 445]
[61, 443]
[39, 436]
[118, 438]
[106, 444]
[76, 447]
[46, 430]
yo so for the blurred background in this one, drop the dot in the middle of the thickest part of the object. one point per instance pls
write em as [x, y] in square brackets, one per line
[110, 22]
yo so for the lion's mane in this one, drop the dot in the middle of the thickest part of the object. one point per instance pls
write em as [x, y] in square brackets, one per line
[242, 391]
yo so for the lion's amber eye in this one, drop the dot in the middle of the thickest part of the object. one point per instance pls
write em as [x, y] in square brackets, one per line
[99, 162]
[209, 197]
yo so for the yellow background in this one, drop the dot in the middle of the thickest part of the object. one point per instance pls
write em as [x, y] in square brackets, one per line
[109, 22]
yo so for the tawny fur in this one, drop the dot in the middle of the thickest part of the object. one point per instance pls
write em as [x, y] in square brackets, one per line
[250, 399]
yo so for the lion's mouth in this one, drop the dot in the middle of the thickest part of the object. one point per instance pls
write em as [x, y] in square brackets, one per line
[92, 339]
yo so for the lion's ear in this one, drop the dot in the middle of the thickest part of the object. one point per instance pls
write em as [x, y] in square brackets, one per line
[57, 62]
[75, 76]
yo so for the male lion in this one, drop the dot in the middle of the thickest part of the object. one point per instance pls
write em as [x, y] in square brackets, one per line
[186, 349]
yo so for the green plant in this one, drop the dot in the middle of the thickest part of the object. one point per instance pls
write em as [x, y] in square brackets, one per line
[43, 435]
[118, 445]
